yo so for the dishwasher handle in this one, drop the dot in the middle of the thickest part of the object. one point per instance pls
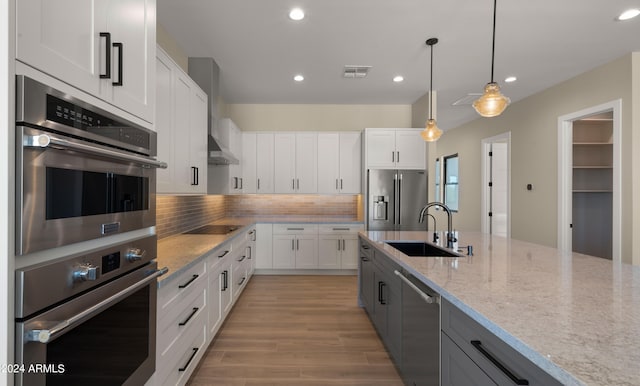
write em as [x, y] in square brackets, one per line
[427, 298]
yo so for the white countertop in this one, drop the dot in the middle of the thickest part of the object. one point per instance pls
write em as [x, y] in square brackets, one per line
[575, 316]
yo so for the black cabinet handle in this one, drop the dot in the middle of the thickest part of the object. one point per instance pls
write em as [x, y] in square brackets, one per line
[223, 255]
[381, 285]
[364, 258]
[119, 46]
[193, 312]
[185, 285]
[518, 381]
[242, 281]
[364, 246]
[107, 70]
[183, 368]
[194, 176]
[224, 281]
[242, 258]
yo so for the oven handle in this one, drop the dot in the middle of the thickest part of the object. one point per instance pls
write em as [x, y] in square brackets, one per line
[45, 140]
[44, 336]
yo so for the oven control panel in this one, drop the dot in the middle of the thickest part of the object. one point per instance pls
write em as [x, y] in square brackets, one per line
[58, 280]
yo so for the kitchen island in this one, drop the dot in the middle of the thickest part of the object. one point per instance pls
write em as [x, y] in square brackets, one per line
[574, 316]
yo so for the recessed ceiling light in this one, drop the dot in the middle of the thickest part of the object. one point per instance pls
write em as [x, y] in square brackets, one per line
[298, 78]
[296, 14]
[628, 14]
[510, 79]
[398, 78]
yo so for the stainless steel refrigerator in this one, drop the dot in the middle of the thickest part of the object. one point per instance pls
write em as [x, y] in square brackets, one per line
[395, 198]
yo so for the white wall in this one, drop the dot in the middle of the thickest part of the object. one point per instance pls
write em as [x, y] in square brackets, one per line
[533, 124]
[316, 117]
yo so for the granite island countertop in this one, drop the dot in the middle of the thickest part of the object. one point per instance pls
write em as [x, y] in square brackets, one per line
[575, 316]
[181, 251]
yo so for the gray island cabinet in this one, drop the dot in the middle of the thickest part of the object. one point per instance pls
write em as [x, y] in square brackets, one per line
[514, 313]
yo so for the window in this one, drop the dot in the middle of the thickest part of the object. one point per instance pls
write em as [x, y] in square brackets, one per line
[451, 181]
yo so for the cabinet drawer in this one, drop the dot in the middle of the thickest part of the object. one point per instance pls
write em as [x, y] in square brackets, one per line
[177, 368]
[458, 369]
[295, 229]
[339, 229]
[484, 348]
[187, 314]
[178, 288]
[220, 255]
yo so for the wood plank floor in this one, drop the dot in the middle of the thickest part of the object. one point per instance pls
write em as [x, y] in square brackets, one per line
[297, 330]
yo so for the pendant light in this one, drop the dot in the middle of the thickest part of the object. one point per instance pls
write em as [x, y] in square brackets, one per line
[431, 132]
[492, 103]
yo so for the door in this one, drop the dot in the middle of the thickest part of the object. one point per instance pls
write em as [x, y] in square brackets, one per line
[249, 162]
[410, 149]
[329, 162]
[329, 251]
[306, 163]
[70, 48]
[381, 149]
[382, 195]
[198, 140]
[412, 193]
[164, 122]
[182, 112]
[265, 163]
[496, 193]
[350, 163]
[216, 285]
[284, 252]
[349, 253]
[284, 162]
[306, 251]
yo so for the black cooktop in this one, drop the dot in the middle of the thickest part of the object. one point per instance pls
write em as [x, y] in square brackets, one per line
[213, 230]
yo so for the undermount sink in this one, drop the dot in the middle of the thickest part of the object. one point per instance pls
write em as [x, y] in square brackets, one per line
[420, 248]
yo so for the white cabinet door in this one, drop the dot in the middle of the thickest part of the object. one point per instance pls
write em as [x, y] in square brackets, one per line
[306, 251]
[62, 39]
[306, 163]
[198, 140]
[164, 122]
[328, 252]
[264, 246]
[284, 253]
[265, 157]
[132, 23]
[227, 286]
[350, 162]
[284, 162]
[410, 149]
[235, 171]
[249, 162]
[184, 175]
[68, 40]
[215, 308]
[328, 163]
[349, 252]
[381, 149]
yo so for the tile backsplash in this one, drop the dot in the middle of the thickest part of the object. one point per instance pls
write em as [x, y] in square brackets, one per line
[177, 214]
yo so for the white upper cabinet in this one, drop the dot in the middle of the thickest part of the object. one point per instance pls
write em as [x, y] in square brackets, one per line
[257, 162]
[339, 157]
[103, 47]
[295, 162]
[395, 149]
[182, 130]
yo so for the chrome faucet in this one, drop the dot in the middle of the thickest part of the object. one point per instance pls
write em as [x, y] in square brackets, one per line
[435, 227]
[450, 236]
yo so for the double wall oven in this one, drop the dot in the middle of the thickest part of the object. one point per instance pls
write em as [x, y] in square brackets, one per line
[83, 173]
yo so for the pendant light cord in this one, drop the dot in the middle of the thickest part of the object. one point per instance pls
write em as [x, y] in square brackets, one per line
[493, 44]
[431, 87]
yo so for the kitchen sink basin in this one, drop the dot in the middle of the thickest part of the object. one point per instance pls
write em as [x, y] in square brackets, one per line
[420, 248]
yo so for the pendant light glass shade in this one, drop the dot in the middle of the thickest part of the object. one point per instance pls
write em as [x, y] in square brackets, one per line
[431, 132]
[492, 103]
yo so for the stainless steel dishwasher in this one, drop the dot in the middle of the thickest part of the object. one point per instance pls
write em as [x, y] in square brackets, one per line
[420, 332]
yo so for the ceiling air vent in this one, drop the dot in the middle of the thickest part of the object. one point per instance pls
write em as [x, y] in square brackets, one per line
[356, 71]
[467, 100]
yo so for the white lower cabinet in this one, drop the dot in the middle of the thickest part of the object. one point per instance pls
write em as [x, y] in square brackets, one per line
[295, 246]
[193, 305]
[338, 246]
[181, 326]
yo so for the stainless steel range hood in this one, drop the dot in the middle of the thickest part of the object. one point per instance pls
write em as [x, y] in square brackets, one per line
[205, 72]
[219, 155]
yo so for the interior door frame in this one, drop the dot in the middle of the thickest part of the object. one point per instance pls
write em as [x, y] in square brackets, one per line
[485, 225]
[565, 175]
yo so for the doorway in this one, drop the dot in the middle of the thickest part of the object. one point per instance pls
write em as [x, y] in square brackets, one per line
[589, 180]
[496, 191]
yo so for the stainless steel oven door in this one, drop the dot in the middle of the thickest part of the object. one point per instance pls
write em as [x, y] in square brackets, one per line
[105, 337]
[69, 190]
